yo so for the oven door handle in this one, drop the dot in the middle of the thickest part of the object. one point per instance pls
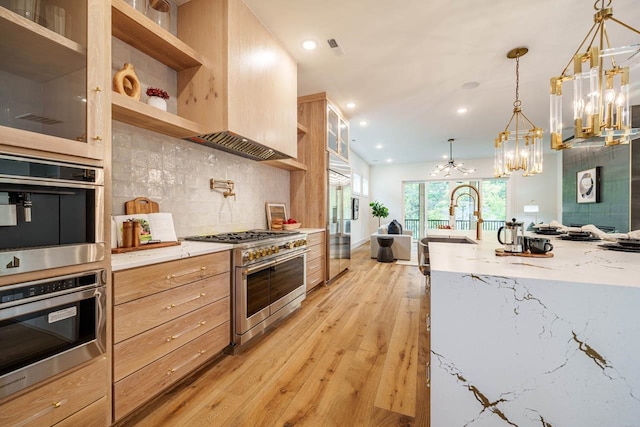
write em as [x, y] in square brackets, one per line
[254, 268]
[290, 257]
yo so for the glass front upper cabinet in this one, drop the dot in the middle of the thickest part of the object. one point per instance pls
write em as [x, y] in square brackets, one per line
[45, 100]
[337, 133]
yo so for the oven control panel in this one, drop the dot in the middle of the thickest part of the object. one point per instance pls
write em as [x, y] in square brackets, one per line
[266, 251]
[9, 294]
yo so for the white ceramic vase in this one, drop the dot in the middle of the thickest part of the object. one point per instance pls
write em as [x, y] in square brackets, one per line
[156, 101]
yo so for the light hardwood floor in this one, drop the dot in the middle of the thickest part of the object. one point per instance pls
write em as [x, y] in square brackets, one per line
[353, 355]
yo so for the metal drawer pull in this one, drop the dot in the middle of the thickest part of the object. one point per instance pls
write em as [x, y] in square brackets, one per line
[196, 326]
[198, 354]
[428, 322]
[186, 273]
[171, 276]
[37, 415]
[169, 307]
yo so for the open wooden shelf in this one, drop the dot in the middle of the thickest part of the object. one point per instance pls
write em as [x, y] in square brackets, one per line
[287, 164]
[144, 116]
[138, 31]
[34, 52]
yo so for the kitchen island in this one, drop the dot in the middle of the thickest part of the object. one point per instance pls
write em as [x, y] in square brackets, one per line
[534, 341]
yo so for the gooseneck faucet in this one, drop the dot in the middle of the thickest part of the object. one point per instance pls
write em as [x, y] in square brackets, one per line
[478, 212]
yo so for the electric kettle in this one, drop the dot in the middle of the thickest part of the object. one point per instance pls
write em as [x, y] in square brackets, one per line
[513, 236]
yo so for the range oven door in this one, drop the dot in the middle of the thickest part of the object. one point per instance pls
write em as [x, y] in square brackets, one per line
[49, 326]
[263, 289]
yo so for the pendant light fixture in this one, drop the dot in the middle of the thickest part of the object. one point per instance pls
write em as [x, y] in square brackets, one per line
[451, 165]
[601, 113]
[518, 148]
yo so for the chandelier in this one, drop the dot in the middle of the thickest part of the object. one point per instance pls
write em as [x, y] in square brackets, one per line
[451, 165]
[521, 147]
[600, 95]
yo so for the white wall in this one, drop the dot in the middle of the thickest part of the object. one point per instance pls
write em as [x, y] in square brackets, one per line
[545, 188]
[360, 227]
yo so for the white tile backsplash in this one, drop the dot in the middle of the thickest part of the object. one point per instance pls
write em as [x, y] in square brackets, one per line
[176, 173]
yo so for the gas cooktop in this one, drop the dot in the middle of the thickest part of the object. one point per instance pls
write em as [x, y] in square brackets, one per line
[241, 237]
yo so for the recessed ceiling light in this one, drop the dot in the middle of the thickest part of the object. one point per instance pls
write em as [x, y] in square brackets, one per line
[351, 105]
[462, 110]
[363, 123]
[444, 156]
[309, 44]
[388, 160]
[470, 85]
[379, 146]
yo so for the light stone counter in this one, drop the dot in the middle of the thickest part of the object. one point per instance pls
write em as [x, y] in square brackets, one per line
[534, 341]
[154, 256]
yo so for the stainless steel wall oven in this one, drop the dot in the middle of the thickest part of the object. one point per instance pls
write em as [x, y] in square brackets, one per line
[49, 326]
[51, 214]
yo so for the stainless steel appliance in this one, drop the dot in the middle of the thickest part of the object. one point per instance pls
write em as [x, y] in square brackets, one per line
[268, 281]
[51, 214]
[49, 326]
[514, 236]
[338, 216]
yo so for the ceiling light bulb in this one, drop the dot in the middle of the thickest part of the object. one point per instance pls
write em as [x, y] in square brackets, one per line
[462, 110]
[351, 105]
[363, 123]
[309, 44]
[379, 146]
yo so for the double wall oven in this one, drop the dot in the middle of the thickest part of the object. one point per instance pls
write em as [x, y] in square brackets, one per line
[51, 216]
[268, 281]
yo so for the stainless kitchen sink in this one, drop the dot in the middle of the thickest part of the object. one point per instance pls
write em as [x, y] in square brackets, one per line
[423, 249]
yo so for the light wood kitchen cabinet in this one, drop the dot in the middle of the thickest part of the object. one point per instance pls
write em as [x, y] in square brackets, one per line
[63, 397]
[315, 259]
[308, 189]
[168, 319]
[55, 83]
[337, 133]
[248, 87]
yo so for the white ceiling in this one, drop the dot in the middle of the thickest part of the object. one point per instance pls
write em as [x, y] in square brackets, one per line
[405, 63]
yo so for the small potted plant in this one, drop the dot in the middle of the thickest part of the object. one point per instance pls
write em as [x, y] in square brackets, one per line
[379, 210]
[157, 98]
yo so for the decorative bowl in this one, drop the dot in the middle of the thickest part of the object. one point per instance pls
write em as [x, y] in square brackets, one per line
[291, 226]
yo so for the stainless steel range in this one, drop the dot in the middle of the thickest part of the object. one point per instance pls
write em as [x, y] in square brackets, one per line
[268, 280]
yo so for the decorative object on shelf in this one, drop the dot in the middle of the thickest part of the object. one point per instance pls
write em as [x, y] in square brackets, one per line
[276, 214]
[451, 164]
[55, 18]
[159, 11]
[588, 186]
[521, 147]
[138, 5]
[157, 98]
[601, 93]
[126, 82]
[378, 210]
[30, 9]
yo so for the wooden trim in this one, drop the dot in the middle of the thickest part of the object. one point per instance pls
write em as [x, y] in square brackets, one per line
[286, 164]
[320, 96]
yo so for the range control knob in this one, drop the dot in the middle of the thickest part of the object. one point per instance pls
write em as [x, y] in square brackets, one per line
[276, 249]
[269, 251]
[256, 254]
[290, 245]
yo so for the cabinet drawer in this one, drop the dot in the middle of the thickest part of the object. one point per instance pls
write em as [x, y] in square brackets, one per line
[314, 279]
[314, 265]
[57, 400]
[145, 313]
[137, 352]
[140, 282]
[315, 238]
[151, 380]
[94, 415]
[315, 251]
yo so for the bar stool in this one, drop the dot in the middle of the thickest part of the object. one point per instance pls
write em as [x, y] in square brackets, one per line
[385, 254]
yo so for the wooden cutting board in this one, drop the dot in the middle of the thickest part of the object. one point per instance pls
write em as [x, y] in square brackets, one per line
[501, 252]
[141, 205]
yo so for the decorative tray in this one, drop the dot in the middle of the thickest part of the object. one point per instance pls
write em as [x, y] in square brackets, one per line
[502, 252]
[580, 238]
[143, 247]
[548, 232]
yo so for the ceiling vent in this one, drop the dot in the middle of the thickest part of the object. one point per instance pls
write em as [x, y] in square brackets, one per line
[335, 47]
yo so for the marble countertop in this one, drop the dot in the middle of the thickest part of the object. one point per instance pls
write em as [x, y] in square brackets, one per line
[171, 253]
[573, 261]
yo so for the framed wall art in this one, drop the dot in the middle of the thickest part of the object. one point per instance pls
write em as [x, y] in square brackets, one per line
[588, 186]
[355, 208]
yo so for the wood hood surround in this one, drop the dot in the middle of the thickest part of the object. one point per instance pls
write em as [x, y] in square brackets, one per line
[247, 85]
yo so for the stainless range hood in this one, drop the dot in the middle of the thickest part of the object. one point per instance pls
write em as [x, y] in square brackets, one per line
[238, 145]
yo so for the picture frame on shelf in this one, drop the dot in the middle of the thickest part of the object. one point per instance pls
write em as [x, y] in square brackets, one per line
[588, 186]
[275, 211]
